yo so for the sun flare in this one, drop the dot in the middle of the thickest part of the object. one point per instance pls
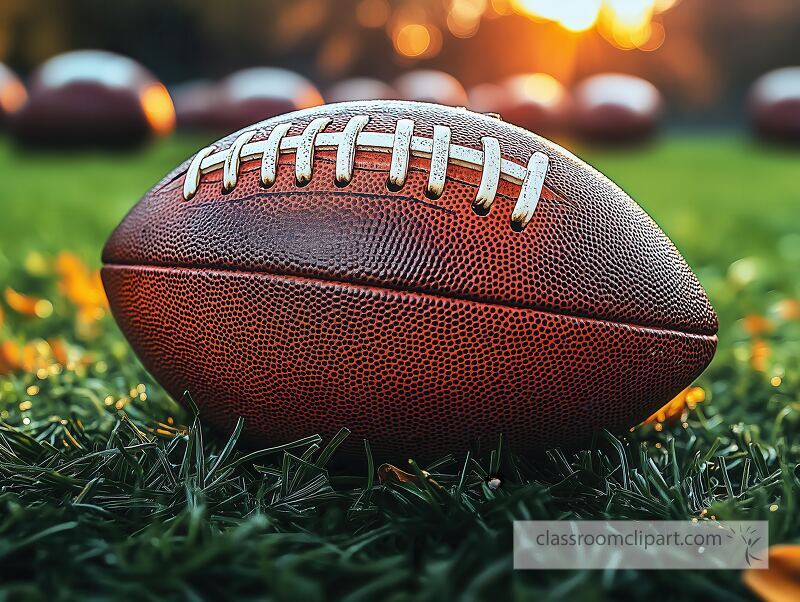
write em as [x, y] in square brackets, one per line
[627, 24]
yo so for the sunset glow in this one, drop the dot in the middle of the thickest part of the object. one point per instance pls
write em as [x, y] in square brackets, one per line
[542, 87]
[415, 29]
[626, 24]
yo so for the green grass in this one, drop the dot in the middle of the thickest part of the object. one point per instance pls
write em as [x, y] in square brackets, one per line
[102, 502]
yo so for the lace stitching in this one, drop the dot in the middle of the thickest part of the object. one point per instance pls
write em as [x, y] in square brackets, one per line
[401, 145]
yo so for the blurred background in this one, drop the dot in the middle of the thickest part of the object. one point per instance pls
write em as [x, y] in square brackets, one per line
[702, 54]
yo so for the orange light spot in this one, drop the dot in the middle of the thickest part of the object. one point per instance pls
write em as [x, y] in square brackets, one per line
[468, 8]
[158, 108]
[542, 87]
[372, 13]
[630, 14]
[337, 53]
[788, 309]
[657, 37]
[501, 8]
[462, 27]
[542, 9]
[34, 357]
[59, 350]
[759, 354]
[755, 324]
[412, 40]
[12, 96]
[9, 357]
[28, 306]
[464, 17]
[81, 285]
[664, 5]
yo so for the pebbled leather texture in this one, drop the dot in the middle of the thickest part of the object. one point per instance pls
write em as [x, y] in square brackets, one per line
[415, 322]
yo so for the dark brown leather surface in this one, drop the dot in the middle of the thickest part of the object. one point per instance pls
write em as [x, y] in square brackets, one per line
[86, 109]
[417, 323]
[418, 375]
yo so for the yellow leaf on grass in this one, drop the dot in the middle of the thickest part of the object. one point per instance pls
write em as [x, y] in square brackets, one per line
[27, 305]
[79, 284]
[9, 357]
[755, 324]
[759, 354]
[389, 472]
[781, 581]
[675, 408]
[84, 289]
[788, 309]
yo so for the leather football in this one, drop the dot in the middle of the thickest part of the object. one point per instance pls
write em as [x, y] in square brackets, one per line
[92, 98]
[429, 277]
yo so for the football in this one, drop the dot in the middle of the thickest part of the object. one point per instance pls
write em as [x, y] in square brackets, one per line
[93, 98]
[429, 277]
[774, 105]
[260, 92]
[360, 88]
[613, 108]
[429, 85]
[195, 103]
[535, 101]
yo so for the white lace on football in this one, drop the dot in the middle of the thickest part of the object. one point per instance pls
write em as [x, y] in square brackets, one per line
[402, 144]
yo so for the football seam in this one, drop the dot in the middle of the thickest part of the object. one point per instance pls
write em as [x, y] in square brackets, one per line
[389, 290]
[559, 199]
[174, 183]
[401, 146]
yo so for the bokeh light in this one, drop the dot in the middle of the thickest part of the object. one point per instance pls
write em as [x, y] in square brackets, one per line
[500, 8]
[541, 86]
[627, 24]
[372, 13]
[579, 15]
[158, 108]
[464, 17]
[12, 96]
[548, 10]
[576, 15]
[412, 39]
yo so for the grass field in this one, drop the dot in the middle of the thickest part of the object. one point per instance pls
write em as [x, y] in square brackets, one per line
[109, 490]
